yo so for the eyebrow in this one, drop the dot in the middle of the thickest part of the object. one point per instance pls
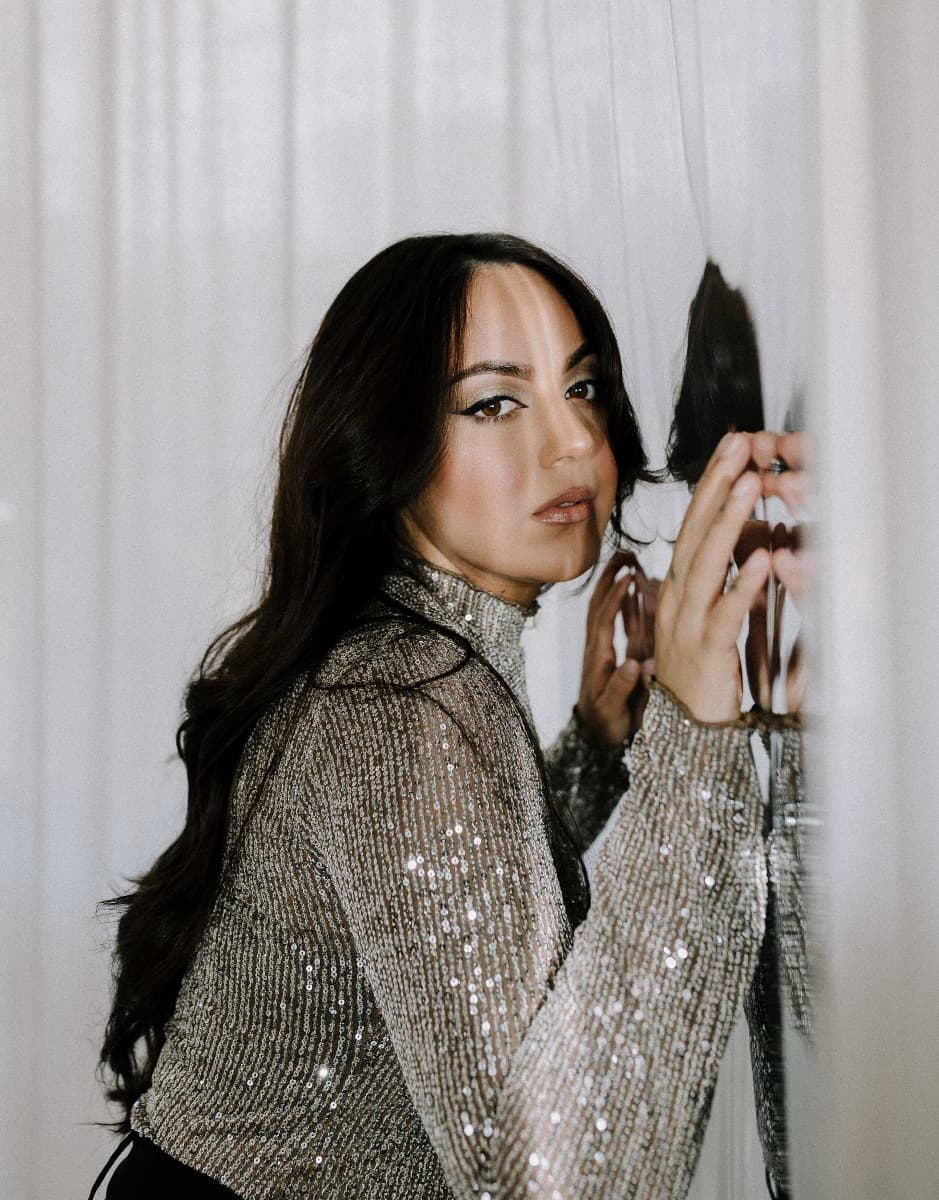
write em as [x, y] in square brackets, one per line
[517, 370]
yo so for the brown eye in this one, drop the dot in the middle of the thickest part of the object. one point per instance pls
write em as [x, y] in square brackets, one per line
[584, 389]
[493, 408]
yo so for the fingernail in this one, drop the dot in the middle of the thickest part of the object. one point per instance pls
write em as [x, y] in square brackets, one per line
[728, 444]
[744, 485]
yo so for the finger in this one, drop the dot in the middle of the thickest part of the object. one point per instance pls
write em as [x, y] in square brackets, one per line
[620, 686]
[646, 595]
[650, 587]
[727, 618]
[604, 620]
[599, 646]
[794, 489]
[795, 679]
[607, 597]
[607, 578]
[649, 595]
[648, 670]
[797, 450]
[793, 485]
[708, 570]
[756, 652]
[795, 570]
[638, 609]
[764, 448]
[712, 489]
[780, 604]
[632, 621]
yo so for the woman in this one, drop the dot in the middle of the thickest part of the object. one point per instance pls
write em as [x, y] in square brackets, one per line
[367, 967]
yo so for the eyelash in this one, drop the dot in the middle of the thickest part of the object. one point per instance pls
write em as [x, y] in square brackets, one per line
[475, 409]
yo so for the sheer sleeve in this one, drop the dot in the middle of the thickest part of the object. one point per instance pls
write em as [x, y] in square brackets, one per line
[543, 1061]
[589, 778]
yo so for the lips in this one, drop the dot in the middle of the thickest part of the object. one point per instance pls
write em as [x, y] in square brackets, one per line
[567, 508]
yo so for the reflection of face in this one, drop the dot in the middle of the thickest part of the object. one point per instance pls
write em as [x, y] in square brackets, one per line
[525, 427]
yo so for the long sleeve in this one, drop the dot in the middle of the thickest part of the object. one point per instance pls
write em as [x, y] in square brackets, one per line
[588, 778]
[543, 1062]
[781, 990]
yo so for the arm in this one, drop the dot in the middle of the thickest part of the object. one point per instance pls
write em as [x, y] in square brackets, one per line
[586, 763]
[580, 1063]
[588, 777]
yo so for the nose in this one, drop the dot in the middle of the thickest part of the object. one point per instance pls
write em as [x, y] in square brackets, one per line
[568, 432]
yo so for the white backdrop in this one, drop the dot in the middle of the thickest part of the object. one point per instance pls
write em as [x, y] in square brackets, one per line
[185, 187]
[866, 1105]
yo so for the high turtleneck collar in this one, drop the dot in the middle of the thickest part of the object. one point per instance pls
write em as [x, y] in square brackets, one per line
[493, 626]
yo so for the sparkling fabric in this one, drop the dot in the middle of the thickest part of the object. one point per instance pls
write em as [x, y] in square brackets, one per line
[390, 999]
[781, 990]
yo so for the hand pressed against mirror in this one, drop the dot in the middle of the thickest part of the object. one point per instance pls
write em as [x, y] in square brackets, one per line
[720, 391]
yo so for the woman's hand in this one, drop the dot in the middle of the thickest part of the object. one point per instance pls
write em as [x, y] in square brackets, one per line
[613, 696]
[698, 622]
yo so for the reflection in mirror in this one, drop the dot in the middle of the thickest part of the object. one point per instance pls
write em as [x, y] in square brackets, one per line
[721, 391]
[720, 388]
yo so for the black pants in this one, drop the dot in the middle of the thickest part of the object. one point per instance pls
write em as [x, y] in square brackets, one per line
[147, 1173]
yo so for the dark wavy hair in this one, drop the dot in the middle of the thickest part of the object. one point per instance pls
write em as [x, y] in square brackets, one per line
[720, 388]
[362, 436]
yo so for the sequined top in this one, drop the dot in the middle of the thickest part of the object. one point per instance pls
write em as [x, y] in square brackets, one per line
[390, 999]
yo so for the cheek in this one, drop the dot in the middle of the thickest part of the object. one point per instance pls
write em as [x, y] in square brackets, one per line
[477, 477]
[609, 468]
[607, 476]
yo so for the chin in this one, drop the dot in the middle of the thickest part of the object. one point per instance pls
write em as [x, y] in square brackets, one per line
[568, 562]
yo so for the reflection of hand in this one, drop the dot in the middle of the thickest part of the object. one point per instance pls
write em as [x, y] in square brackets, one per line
[638, 611]
[612, 697]
[698, 622]
[793, 564]
[763, 668]
[793, 487]
[756, 535]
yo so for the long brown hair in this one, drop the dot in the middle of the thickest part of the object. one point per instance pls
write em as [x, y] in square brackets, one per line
[720, 388]
[362, 437]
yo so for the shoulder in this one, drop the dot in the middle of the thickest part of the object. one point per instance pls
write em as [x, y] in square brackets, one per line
[397, 681]
[399, 716]
[388, 646]
[393, 650]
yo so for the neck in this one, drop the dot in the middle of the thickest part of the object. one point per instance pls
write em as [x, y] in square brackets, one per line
[491, 624]
[523, 592]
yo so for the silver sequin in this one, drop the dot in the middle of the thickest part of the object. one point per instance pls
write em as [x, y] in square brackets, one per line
[461, 1040]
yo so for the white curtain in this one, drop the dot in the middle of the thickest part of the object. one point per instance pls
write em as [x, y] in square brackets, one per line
[185, 187]
[865, 1102]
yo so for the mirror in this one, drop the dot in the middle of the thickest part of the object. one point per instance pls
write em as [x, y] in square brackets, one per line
[720, 390]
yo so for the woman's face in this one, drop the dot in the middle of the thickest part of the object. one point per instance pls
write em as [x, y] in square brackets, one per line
[527, 482]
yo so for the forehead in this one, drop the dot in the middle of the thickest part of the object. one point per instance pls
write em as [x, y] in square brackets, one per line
[515, 315]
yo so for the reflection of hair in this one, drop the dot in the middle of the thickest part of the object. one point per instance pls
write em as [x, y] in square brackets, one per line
[362, 436]
[720, 389]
